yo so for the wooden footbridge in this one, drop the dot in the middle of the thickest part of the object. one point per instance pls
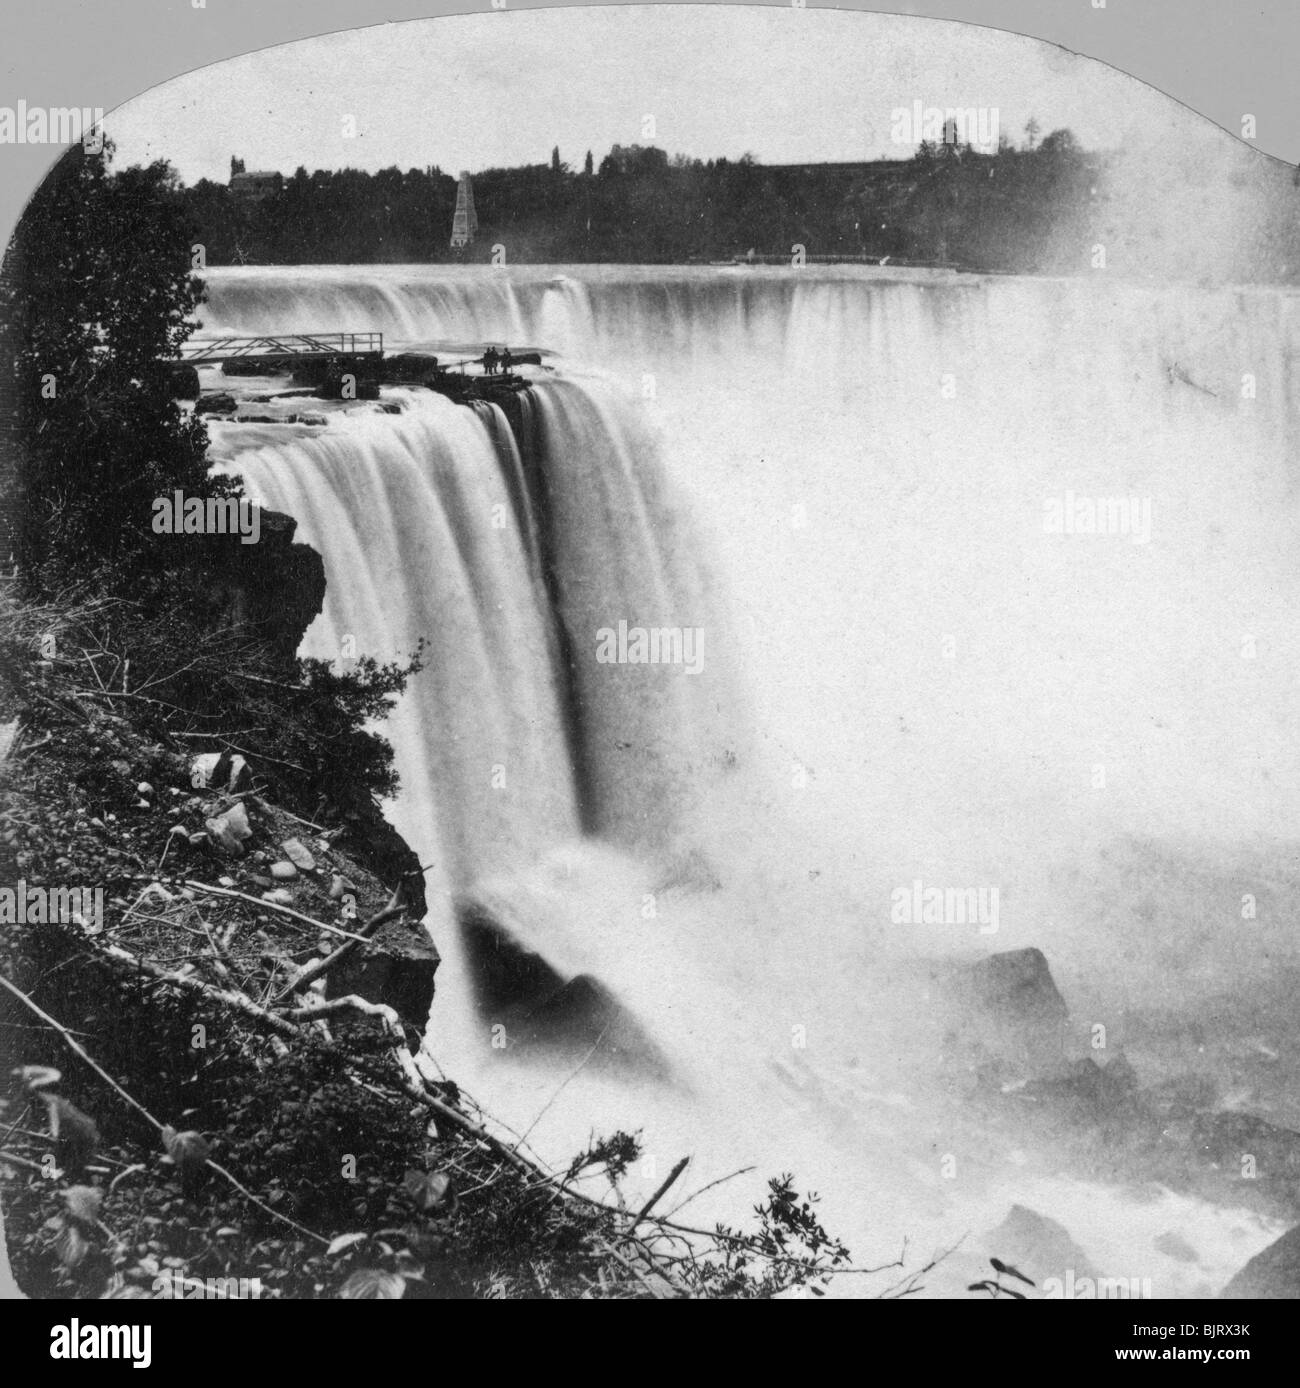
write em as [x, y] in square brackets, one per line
[323, 360]
[280, 351]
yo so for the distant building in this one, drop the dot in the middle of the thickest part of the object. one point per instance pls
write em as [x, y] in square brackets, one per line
[464, 225]
[256, 185]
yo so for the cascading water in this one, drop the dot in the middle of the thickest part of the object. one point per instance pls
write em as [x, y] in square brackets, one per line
[907, 673]
[515, 737]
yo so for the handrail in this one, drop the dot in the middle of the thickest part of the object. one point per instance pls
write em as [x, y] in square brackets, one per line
[308, 344]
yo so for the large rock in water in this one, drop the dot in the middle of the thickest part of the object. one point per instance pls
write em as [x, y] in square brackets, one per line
[545, 1012]
[1017, 987]
[1039, 1247]
[1273, 1275]
[1008, 1009]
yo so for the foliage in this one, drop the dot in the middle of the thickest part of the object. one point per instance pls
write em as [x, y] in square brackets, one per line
[194, 686]
[790, 1250]
[104, 296]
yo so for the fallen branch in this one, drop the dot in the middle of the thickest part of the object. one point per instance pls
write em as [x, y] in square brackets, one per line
[654, 1199]
[79, 1049]
[240, 1002]
[273, 906]
[305, 977]
[411, 1083]
[21, 1161]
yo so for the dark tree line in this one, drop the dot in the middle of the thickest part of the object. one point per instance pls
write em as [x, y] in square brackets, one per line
[1005, 210]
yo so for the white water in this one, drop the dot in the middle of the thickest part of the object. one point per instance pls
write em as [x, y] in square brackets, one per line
[905, 677]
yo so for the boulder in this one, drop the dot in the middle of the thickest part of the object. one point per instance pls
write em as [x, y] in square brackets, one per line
[1039, 1247]
[1225, 1138]
[220, 402]
[1273, 1275]
[545, 1012]
[246, 366]
[275, 587]
[1008, 1013]
[396, 967]
[298, 855]
[1017, 986]
[1173, 1245]
[231, 829]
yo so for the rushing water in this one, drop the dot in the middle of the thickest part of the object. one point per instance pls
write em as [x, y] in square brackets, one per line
[840, 480]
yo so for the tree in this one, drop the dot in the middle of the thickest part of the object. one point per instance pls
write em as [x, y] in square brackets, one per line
[104, 297]
[1060, 144]
[586, 165]
[1032, 128]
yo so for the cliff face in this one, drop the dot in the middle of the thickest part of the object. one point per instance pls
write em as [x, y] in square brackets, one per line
[276, 587]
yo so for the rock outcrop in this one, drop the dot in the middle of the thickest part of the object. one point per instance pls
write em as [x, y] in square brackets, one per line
[275, 587]
[1038, 1246]
[542, 1011]
[1273, 1275]
[1008, 1013]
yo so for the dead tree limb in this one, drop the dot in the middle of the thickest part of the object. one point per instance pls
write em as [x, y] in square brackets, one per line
[272, 906]
[312, 972]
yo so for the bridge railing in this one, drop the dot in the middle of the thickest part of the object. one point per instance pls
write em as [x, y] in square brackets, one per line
[205, 349]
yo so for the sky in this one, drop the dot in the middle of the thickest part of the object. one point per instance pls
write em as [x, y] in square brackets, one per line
[502, 88]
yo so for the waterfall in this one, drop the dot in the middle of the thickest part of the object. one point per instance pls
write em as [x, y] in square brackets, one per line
[931, 678]
[502, 565]
[845, 481]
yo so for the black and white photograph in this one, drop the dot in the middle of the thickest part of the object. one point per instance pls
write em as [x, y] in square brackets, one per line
[651, 652]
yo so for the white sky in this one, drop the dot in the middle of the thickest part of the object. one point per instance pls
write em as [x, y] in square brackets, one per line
[503, 87]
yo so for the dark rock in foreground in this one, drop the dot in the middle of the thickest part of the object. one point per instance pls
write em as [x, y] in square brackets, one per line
[1273, 1275]
[1039, 1247]
[542, 1011]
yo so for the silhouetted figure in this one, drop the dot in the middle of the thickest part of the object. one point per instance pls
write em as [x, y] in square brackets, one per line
[506, 359]
[490, 361]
